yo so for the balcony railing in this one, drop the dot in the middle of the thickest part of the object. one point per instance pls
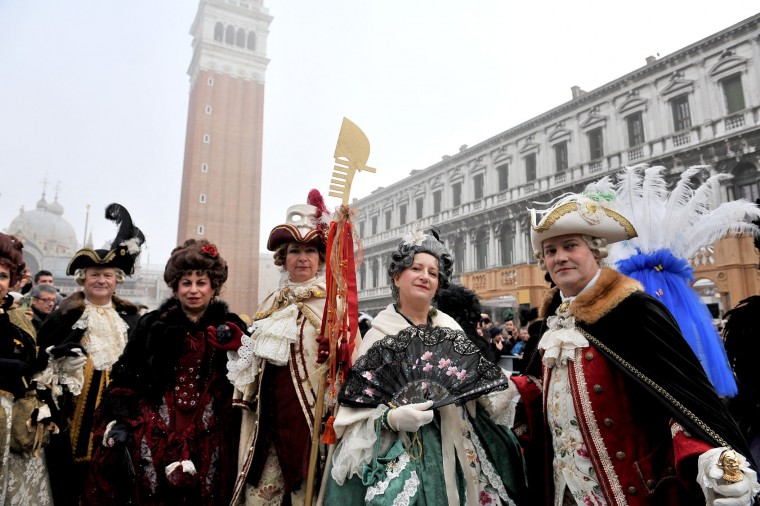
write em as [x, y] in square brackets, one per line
[595, 166]
[635, 153]
[681, 139]
[734, 122]
[560, 178]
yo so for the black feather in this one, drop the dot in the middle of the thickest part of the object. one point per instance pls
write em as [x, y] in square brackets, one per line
[127, 230]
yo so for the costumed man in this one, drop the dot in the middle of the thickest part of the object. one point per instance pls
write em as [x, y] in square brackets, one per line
[79, 342]
[628, 412]
[275, 370]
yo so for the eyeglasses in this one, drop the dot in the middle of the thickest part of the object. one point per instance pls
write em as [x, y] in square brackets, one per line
[46, 301]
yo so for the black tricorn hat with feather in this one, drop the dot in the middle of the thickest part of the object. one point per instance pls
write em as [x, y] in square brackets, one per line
[124, 251]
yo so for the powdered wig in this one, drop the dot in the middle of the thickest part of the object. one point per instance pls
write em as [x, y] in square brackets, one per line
[199, 256]
[80, 274]
[410, 245]
[597, 245]
[11, 257]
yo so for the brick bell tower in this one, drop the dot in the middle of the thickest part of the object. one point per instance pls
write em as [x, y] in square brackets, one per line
[221, 178]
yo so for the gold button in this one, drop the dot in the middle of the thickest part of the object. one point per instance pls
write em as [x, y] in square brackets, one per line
[608, 422]
[589, 355]
[633, 490]
[620, 455]
[598, 389]
[260, 369]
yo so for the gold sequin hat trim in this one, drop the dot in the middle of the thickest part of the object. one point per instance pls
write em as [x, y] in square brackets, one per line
[579, 214]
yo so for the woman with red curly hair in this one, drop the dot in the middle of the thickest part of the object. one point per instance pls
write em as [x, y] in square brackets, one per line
[24, 477]
[166, 431]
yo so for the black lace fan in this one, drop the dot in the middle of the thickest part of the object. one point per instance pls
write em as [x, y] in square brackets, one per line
[420, 364]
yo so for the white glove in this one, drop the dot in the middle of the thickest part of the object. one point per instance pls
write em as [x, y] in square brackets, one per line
[71, 364]
[411, 417]
[720, 492]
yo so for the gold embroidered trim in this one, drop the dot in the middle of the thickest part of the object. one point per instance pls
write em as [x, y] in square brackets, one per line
[592, 430]
[288, 296]
[672, 400]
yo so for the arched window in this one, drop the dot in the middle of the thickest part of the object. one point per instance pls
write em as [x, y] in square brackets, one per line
[375, 273]
[746, 182]
[507, 243]
[229, 36]
[362, 278]
[202, 198]
[251, 41]
[204, 167]
[201, 230]
[481, 249]
[240, 42]
[459, 254]
[218, 31]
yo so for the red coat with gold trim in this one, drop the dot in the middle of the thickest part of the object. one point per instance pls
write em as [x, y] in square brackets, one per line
[644, 405]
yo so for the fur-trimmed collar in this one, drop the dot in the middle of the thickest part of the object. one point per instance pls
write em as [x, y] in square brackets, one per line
[609, 290]
[75, 302]
[170, 311]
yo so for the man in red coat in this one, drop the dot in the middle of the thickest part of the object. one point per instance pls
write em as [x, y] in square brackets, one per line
[629, 416]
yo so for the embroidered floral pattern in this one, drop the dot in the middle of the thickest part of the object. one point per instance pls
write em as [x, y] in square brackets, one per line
[572, 464]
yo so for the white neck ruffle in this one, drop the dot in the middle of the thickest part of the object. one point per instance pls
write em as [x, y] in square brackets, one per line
[105, 334]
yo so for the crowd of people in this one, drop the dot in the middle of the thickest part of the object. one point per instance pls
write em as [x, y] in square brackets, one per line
[193, 404]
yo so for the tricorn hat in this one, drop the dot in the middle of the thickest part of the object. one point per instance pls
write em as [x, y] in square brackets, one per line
[124, 251]
[579, 213]
[304, 223]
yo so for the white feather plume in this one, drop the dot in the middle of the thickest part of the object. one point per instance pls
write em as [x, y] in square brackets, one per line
[629, 190]
[686, 220]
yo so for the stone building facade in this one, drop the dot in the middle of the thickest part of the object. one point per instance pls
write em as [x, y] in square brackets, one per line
[698, 105]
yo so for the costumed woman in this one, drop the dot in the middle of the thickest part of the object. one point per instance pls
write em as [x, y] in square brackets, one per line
[629, 414]
[274, 371]
[166, 431]
[402, 449]
[23, 475]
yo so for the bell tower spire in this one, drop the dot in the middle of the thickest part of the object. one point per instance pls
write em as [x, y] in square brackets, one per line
[221, 180]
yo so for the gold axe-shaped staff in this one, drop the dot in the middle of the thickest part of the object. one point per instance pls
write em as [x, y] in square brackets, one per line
[351, 155]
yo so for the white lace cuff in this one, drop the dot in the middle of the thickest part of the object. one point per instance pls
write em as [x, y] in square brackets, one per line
[242, 365]
[501, 406]
[356, 447]
[73, 380]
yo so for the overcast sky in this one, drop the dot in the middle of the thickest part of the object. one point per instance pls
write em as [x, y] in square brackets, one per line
[94, 94]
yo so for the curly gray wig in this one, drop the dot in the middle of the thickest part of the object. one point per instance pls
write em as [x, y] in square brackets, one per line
[597, 245]
[403, 257]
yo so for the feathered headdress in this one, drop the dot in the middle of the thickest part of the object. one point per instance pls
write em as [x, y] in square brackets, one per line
[677, 228]
[125, 248]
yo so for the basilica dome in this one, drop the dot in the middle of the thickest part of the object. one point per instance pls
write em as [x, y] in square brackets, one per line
[45, 230]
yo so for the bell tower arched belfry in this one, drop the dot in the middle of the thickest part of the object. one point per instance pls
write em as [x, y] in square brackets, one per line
[221, 179]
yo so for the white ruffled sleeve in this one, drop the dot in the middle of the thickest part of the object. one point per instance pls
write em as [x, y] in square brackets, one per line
[501, 405]
[357, 444]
